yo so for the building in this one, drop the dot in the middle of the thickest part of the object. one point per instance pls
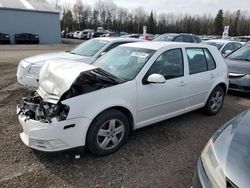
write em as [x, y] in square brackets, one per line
[30, 16]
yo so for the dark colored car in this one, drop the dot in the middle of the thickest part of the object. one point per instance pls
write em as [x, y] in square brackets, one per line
[136, 36]
[26, 38]
[4, 38]
[70, 35]
[189, 38]
[97, 34]
[225, 161]
[239, 69]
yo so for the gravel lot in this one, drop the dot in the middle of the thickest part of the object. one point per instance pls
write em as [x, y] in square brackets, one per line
[161, 155]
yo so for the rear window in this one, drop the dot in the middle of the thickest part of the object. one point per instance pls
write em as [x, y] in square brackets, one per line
[199, 60]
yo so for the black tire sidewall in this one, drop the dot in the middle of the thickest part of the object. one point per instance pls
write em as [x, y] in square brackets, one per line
[207, 107]
[96, 125]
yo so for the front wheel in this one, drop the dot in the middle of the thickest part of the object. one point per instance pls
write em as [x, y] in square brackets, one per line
[215, 101]
[108, 132]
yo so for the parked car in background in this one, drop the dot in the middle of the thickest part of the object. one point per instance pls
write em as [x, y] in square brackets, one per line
[130, 87]
[115, 34]
[239, 69]
[147, 37]
[76, 34]
[243, 39]
[26, 38]
[224, 161]
[189, 38]
[63, 34]
[4, 38]
[97, 34]
[224, 46]
[85, 35]
[70, 35]
[136, 36]
[87, 52]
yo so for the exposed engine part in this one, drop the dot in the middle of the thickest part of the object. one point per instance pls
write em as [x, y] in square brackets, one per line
[34, 108]
[90, 81]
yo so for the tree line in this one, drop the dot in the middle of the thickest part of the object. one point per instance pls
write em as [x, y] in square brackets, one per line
[108, 15]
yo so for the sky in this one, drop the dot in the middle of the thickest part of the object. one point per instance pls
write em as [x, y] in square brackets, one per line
[193, 7]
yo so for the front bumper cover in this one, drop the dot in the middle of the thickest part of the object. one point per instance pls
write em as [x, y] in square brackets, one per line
[54, 136]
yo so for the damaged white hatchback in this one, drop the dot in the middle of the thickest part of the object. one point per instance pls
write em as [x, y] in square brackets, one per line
[132, 86]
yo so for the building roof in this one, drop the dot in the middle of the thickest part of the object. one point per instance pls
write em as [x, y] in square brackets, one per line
[28, 5]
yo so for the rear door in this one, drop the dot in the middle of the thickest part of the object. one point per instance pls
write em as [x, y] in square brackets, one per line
[202, 73]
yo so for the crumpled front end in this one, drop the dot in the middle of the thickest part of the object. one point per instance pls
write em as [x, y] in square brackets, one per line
[46, 127]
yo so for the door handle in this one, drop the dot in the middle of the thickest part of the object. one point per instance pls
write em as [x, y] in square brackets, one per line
[212, 76]
[182, 83]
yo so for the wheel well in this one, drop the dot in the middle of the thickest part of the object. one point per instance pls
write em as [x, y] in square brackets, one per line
[223, 86]
[126, 112]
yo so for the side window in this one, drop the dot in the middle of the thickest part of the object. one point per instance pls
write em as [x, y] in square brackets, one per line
[199, 60]
[188, 39]
[229, 46]
[114, 45]
[210, 60]
[169, 64]
[179, 39]
[237, 45]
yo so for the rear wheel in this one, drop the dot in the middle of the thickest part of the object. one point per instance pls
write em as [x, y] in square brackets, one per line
[108, 132]
[215, 101]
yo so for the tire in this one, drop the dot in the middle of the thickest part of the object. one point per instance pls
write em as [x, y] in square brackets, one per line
[108, 132]
[215, 101]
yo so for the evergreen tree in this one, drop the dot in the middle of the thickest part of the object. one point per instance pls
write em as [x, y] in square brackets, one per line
[151, 24]
[218, 23]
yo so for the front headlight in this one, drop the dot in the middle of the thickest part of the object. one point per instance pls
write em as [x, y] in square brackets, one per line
[211, 166]
[34, 70]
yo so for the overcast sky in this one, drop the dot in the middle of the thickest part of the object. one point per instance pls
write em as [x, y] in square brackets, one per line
[180, 6]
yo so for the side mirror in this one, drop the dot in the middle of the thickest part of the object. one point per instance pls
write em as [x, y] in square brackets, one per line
[156, 78]
[227, 52]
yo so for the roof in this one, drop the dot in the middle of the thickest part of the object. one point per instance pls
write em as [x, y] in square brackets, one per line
[28, 5]
[221, 41]
[118, 39]
[155, 45]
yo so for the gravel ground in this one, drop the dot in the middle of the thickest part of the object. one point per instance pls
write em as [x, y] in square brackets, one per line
[161, 155]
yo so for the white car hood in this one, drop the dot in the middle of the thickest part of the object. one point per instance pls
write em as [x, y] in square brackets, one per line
[57, 77]
[58, 55]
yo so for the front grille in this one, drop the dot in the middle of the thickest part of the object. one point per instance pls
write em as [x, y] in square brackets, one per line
[230, 184]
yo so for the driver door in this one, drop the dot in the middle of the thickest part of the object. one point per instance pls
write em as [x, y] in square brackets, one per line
[159, 101]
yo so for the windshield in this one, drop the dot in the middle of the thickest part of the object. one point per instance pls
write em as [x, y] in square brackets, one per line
[216, 44]
[165, 38]
[241, 54]
[124, 62]
[89, 48]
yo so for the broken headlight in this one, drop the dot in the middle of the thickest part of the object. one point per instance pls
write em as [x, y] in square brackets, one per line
[34, 108]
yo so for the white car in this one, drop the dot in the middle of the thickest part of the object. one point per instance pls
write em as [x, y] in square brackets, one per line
[224, 46]
[132, 86]
[28, 69]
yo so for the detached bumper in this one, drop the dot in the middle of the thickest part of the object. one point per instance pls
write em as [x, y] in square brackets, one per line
[55, 136]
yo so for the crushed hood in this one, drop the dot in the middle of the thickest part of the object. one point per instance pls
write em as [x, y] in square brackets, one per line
[58, 55]
[57, 77]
